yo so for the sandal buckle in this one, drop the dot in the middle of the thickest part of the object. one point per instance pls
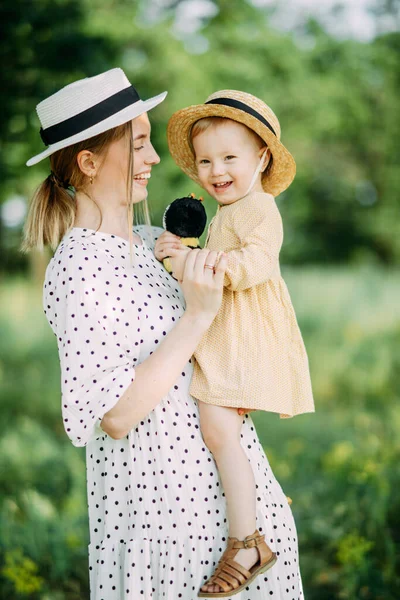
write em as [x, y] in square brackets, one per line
[249, 543]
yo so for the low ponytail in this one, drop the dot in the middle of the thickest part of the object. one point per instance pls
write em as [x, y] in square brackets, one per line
[52, 210]
[51, 214]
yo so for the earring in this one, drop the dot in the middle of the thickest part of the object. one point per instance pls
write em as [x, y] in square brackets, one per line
[91, 180]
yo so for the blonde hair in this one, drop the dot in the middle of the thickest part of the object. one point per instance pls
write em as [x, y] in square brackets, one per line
[52, 209]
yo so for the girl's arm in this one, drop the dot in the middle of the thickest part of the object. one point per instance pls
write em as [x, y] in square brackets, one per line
[258, 225]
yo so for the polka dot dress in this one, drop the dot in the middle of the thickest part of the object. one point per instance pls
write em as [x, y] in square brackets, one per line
[157, 510]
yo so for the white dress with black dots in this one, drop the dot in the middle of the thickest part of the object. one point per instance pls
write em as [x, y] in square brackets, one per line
[157, 510]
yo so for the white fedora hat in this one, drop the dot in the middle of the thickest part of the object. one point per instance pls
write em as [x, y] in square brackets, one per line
[88, 107]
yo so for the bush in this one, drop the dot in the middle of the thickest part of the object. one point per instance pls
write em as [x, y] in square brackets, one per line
[340, 466]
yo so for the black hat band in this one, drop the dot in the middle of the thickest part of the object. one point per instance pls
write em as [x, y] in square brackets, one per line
[241, 106]
[93, 115]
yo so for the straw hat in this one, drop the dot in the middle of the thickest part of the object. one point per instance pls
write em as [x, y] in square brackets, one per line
[88, 107]
[243, 108]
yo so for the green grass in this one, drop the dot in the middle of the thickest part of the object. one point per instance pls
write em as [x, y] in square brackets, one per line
[340, 465]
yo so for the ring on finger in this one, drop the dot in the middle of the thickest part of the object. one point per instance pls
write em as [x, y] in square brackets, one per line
[209, 267]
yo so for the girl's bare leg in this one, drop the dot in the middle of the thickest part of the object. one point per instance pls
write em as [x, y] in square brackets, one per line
[220, 427]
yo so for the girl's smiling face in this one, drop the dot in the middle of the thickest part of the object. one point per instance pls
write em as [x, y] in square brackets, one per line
[227, 155]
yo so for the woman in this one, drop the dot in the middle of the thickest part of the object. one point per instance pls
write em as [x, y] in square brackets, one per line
[126, 332]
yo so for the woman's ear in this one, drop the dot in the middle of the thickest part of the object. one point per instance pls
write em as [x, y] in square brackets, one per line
[265, 153]
[86, 163]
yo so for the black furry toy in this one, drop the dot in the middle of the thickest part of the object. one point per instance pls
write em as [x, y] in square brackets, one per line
[185, 217]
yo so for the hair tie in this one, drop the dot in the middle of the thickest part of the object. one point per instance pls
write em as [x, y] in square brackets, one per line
[57, 181]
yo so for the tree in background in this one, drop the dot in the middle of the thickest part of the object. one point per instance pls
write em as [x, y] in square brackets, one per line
[336, 99]
[337, 102]
[44, 45]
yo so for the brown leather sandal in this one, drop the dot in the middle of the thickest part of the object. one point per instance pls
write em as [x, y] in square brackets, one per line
[230, 576]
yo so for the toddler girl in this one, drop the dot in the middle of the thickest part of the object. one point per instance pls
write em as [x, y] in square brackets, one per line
[253, 356]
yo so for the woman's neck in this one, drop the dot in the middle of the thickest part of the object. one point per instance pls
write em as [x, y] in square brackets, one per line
[112, 220]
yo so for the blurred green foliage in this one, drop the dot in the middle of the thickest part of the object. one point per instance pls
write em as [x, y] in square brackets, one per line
[341, 466]
[337, 101]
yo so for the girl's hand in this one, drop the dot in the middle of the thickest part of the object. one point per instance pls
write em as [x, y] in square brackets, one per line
[201, 284]
[167, 244]
[243, 411]
[178, 262]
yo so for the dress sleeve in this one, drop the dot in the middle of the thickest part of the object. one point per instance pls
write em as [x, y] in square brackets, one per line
[149, 233]
[90, 305]
[259, 231]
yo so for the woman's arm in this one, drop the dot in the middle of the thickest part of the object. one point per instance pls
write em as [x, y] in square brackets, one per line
[156, 375]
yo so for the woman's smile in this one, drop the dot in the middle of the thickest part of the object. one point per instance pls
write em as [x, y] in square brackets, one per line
[142, 178]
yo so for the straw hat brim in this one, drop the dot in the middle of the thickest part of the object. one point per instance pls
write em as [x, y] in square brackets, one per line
[275, 181]
[123, 116]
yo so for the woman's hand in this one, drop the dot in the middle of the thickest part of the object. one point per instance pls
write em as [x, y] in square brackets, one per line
[167, 245]
[202, 282]
[243, 411]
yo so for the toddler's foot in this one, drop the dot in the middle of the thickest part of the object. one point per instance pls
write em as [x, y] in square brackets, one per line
[246, 558]
[239, 565]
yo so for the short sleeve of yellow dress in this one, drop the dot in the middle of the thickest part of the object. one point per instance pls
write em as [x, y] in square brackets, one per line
[253, 355]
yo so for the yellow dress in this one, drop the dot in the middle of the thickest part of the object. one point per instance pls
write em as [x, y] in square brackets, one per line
[253, 354]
